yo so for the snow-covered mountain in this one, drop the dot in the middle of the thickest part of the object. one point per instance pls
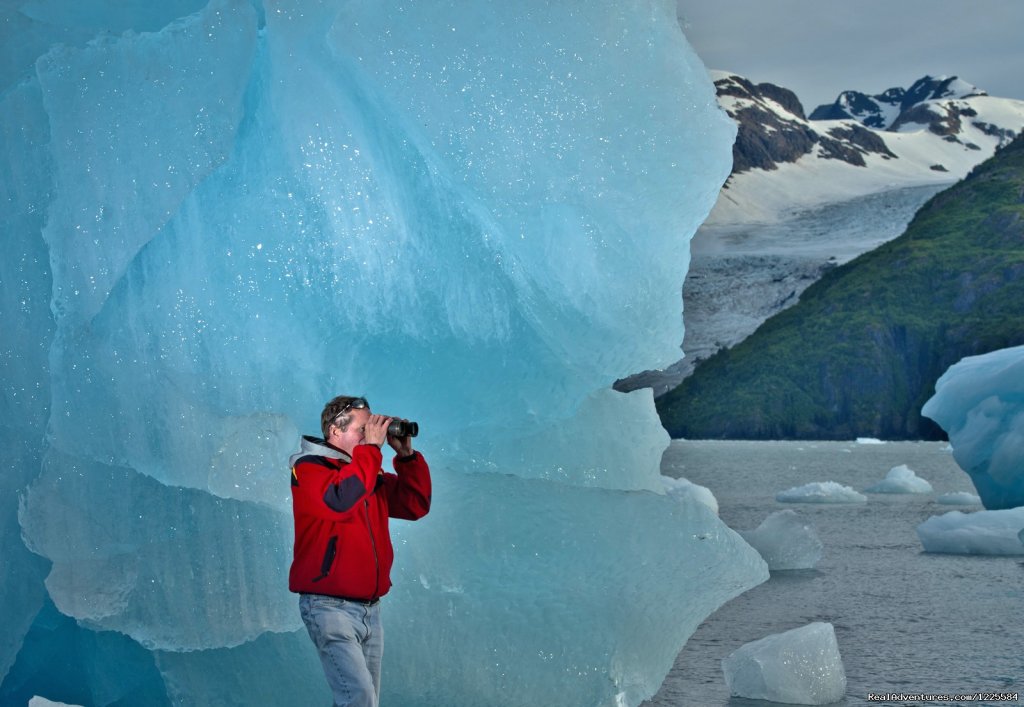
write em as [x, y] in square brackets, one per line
[883, 110]
[932, 133]
[806, 194]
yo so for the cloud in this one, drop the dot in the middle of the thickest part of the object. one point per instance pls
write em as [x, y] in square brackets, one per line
[819, 49]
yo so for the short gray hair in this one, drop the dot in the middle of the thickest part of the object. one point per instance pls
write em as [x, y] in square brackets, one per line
[333, 409]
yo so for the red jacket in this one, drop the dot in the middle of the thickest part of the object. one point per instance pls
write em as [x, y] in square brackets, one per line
[341, 507]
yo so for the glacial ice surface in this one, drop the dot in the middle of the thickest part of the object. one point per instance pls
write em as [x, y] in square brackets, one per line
[900, 479]
[220, 214]
[821, 492]
[978, 533]
[785, 541]
[800, 666]
[979, 402]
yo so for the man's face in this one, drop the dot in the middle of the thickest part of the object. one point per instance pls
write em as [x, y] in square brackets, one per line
[354, 434]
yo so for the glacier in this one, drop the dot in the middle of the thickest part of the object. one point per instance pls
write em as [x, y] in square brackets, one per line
[220, 214]
[979, 402]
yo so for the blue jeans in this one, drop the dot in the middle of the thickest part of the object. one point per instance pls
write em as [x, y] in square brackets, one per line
[350, 640]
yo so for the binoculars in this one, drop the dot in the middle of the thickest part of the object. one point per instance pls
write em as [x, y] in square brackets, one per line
[403, 428]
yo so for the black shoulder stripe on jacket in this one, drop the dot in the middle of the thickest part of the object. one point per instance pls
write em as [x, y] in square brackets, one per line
[340, 497]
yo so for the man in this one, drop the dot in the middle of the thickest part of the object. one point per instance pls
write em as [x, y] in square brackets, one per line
[342, 500]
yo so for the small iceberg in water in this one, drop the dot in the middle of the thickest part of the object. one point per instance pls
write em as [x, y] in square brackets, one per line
[802, 666]
[959, 498]
[821, 492]
[901, 479]
[785, 542]
[684, 488]
[979, 533]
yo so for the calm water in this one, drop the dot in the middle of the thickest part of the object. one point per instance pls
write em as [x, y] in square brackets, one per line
[906, 621]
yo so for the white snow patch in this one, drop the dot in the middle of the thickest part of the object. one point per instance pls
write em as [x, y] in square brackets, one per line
[759, 196]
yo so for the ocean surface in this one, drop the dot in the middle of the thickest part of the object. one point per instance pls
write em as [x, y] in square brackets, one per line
[906, 621]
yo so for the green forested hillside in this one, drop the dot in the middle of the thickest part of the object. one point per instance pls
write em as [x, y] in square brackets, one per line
[860, 353]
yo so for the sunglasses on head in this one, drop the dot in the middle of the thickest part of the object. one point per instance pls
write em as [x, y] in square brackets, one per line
[356, 404]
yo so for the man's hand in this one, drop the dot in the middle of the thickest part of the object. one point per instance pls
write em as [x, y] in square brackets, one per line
[376, 429]
[401, 445]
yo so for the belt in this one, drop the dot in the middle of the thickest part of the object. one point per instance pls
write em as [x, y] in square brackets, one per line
[364, 602]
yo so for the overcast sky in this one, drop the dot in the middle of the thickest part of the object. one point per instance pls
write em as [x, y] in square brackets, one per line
[819, 48]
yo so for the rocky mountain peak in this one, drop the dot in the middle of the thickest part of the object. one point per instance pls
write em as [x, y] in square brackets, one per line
[931, 89]
[885, 111]
[773, 128]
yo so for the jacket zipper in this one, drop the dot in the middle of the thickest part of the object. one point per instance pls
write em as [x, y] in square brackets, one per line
[373, 542]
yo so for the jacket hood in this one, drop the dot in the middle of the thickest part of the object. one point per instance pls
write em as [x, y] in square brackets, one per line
[314, 446]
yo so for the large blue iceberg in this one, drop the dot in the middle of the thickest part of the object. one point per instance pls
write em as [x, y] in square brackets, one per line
[980, 403]
[218, 215]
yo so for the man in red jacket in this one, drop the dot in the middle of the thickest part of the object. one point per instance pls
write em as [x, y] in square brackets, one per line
[342, 499]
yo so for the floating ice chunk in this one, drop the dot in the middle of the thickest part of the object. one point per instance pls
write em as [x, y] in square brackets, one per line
[958, 498]
[979, 533]
[684, 488]
[869, 440]
[900, 479]
[821, 492]
[38, 701]
[980, 403]
[801, 666]
[785, 542]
